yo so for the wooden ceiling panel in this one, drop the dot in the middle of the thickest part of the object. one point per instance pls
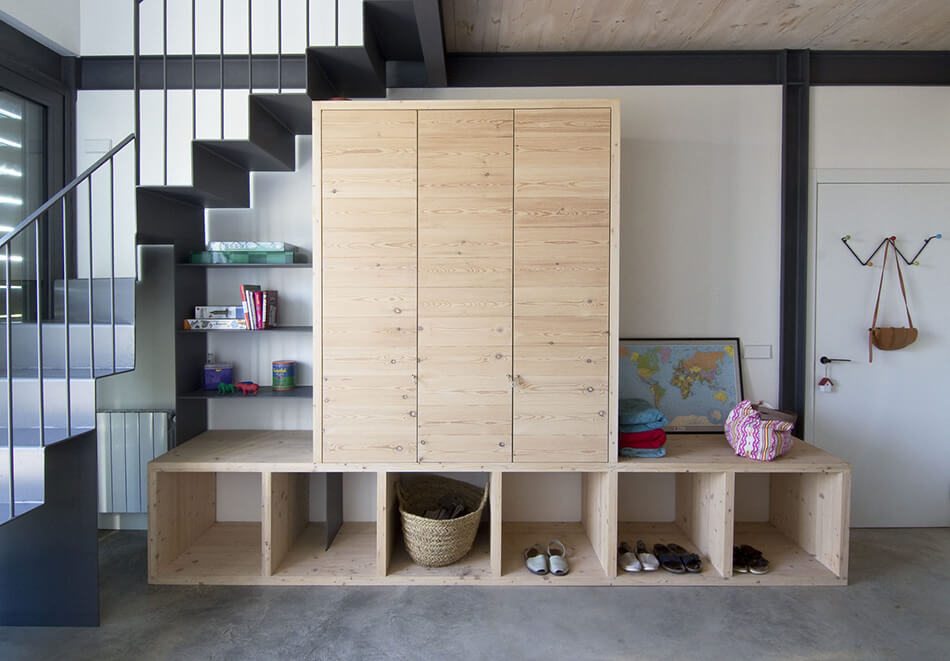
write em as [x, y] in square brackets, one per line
[476, 26]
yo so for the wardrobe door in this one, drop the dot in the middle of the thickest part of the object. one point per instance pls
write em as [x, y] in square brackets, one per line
[562, 261]
[369, 285]
[465, 285]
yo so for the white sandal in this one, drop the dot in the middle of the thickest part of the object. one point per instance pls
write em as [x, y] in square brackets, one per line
[535, 560]
[557, 558]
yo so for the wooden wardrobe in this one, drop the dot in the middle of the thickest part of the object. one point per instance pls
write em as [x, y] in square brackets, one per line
[465, 281]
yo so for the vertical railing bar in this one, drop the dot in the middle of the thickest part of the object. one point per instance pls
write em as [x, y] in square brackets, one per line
[6, 266]
[250, 47]
[280, 50]
[112, 253]
[39, 335]
[137, 92]
[221, 16]
[69, 419]
[194, 76]
[336, 21]
[306, 43]
[92, 327]
[164, 92]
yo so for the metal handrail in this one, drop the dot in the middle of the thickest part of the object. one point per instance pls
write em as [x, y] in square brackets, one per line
[32, 220]
[68, 188]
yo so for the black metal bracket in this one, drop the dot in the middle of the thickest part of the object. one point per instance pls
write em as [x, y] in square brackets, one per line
[892, 239]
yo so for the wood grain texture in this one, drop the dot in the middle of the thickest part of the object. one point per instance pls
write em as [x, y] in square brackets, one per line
[465, 294]
[599, 516]
[182, 506]
[368, 182]
[607, 25]
[387, 517]
[286, 510]
[562, 158]
[317, 212]
[703, 506]
[495, 518]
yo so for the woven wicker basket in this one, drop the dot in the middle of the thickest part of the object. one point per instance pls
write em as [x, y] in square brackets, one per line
[433, 542]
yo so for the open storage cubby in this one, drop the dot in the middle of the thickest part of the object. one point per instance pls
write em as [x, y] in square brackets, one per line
[698, 521]
[696, 488]
[187, 543]
[399, 567]
[806, 535]
[299, 550]
[576, 508]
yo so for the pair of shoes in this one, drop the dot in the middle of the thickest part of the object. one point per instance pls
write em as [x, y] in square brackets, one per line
[677, 560]
[538, 562]
[632, 562]
[748, 560]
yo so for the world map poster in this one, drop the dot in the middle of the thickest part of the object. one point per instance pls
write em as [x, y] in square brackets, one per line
[694, 383]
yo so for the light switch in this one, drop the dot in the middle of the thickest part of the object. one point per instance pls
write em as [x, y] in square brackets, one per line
[757, 351]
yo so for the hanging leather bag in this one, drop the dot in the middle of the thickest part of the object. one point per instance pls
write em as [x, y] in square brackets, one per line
[888, 338]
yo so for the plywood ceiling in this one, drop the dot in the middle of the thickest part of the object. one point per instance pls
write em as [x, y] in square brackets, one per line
[618, 25]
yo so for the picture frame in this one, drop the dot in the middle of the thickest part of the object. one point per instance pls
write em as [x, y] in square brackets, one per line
[694, 382]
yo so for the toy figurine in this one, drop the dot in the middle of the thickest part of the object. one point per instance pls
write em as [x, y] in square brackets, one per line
[225, 389]
[247, 387]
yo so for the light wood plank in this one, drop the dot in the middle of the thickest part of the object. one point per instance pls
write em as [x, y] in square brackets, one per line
[387, 517]
[398, 303]
[317, 212]
[286, 510]
[465, 296]
[182, 507]
[495, 518]
[599, 517]
[352, 555]
[703, 506]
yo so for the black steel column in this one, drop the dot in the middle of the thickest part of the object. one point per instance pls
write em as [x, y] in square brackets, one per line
[794, 232]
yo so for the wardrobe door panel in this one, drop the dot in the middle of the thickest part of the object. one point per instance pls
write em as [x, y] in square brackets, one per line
[465, 285]
[561, 284]
[369, 190]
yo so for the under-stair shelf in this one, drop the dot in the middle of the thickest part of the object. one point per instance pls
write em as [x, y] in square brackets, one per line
[263, 392]
[295, 265]
[233, 331]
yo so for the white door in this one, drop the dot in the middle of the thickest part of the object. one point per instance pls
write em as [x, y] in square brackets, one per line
[889, 418]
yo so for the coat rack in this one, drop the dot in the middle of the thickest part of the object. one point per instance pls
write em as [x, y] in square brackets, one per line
[910, 262]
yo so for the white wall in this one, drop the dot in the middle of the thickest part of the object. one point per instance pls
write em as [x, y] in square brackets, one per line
[54, 23]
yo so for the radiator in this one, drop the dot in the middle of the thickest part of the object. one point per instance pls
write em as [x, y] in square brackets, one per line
[127, 441]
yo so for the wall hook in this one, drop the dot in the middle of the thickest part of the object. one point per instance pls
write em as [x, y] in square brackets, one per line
[892, 239]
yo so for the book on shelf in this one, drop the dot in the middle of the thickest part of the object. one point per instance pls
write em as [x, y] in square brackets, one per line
[215, 324]
[259, 307]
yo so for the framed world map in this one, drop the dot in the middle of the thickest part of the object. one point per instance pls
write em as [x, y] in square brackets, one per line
[695, 383]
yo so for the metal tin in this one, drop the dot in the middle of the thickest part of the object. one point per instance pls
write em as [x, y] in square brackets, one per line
[285, 372]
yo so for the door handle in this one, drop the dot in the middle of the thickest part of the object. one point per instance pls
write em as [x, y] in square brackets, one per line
[824, 360]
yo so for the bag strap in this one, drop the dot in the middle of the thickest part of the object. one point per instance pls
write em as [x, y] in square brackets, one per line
[880, 287]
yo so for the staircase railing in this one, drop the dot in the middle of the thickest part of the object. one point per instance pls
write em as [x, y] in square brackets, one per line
[59, 214]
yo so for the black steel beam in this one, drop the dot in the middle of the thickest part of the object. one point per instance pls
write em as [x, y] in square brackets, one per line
[429, 22]
[626, 68]
[880, 67]
[115, 72]
[794, 234]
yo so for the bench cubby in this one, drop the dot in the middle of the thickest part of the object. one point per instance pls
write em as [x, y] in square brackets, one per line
[803, 530]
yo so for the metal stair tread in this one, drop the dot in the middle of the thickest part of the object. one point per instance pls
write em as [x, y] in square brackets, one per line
[195, 196]
[293, 110]
[246, 154]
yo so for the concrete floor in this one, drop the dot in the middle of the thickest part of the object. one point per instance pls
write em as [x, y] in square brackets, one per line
[897, 607]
